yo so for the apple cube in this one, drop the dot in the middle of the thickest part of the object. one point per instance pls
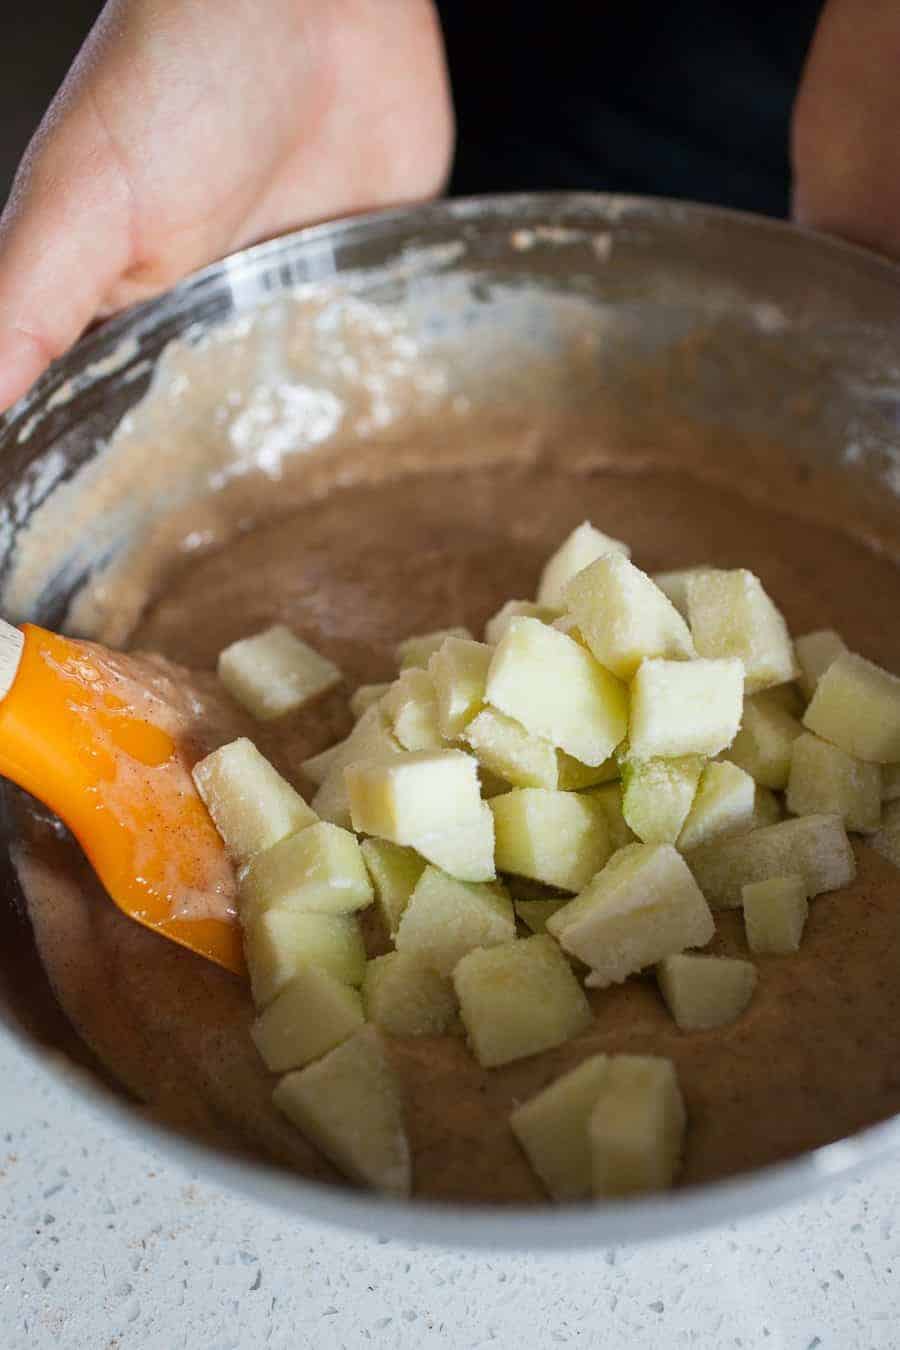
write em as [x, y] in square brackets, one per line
[518, 999]
[309, 1017]
[318, 766]
[350, 1106]
[430, 801]
[558, 838]
[552, 1129]
[731, 615]
[321, 868]
[280, 942]
[890, 782]
[459, 671]
[887, 840]
[362, 699]
[767, 809]
[658, 795]
[411, 709]
[674, 585]
[502, 745]
[274, 673]
[637, 1126]
[405, 997]
[765, 742]
[582, 547]
[775, 914]
[371, 738]
[724, 804]
[827, 780]
[251, 805]
[446, 918]
[496, 628]
[816, 847]
[609, 799]
[573, 776]
[550, 684]
[685, 708]
[395, 872]
[624, 618]
[418, 650]
[644, 905]
[702, 992]
[535, 913]
[856, 706]
[815, 653]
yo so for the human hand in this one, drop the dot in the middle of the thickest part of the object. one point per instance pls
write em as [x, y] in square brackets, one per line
[847, 123]
[185, 130]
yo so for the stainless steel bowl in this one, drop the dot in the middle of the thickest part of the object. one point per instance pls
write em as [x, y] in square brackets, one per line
[794, 341]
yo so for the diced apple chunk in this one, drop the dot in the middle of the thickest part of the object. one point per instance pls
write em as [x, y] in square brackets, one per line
[815, 653]
[446, 918]
[702, 992]
[609, 799]
[887, 840]
[552, 1129]
[430, 801]
[281, 941]
[825, 779]
[362, 698]
[310, 1016]
[731, 615]
[418, 650]
[890, 782]
[775, 914]
[724, 804]
[318, 766]
[518, 999]
[674, 585]
[252, 806]
[502, 744]
[350, 1106]
[816, 847]
[535, 913]
[658, 795]
[765, 742]
[371, 738]
[405, 997]
[274, 673]
[685, 708]
[321, 868]
[495, 629]
[558, 838]
[582, 547]
[394, 871]
[636, 1127]
[856, 706]
[550, 684]
[624, 618]
[459, 670]
[644, 905]
[410, 706]
[573, 776]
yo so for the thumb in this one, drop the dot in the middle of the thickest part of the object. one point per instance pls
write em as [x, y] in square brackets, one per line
[65, 237]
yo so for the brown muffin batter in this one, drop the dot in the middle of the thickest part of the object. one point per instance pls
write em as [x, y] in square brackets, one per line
[436, 540]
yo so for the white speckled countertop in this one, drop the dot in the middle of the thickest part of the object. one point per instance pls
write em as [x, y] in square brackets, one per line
[105, 1246]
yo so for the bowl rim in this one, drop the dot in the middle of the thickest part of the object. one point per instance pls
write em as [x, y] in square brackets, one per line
[532, 1228]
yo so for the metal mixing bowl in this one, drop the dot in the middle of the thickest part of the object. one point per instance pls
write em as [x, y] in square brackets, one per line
[793, 340]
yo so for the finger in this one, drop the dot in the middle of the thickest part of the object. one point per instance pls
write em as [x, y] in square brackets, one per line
[846, 155]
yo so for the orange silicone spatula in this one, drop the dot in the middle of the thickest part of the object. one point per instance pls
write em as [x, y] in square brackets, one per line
[80, 732]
